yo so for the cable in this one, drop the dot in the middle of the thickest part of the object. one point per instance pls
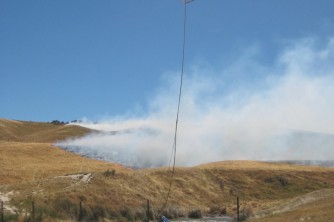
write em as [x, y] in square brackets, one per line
[173, 154]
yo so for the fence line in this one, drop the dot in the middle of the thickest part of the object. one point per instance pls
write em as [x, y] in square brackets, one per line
[1, 211]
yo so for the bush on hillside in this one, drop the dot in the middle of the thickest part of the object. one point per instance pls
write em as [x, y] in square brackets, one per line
[195, 214]
[57, 122]
[109, 173]
[279, 180]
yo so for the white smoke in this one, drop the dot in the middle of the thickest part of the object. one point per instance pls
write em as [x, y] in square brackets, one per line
[244, 111]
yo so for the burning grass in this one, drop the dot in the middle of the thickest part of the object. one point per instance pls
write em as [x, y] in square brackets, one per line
[37, 161]
[53, 178]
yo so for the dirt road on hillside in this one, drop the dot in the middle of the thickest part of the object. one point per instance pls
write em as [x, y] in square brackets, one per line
[5, 198]
[296, 202]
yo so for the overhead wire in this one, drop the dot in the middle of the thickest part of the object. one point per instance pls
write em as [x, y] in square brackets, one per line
[173, 153]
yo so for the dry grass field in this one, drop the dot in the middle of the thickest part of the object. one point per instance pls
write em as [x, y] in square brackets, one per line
[318, 210]
[38, 132]
[31, 168]
[27, 153]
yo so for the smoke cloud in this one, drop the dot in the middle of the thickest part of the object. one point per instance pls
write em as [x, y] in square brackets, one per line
[245, 110]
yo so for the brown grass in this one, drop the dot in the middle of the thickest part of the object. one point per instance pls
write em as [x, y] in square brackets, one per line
[35, 161]
[318, 211]
[259, 165]
[29, 163]
[192, 188]
[40, 132]
[27, 153]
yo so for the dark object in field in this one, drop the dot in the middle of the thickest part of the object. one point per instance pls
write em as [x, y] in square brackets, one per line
[163, 219]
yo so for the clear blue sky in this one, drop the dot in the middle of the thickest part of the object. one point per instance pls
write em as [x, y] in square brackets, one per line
[69, 59]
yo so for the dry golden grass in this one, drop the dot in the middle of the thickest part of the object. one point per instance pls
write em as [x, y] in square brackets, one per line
[192, 188]
[259, 165]
[318, 211]
[21, 162]
[27, 153]
[29, 164]
[41, 132]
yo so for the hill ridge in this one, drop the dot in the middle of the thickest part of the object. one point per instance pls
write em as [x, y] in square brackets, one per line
[43, 132]
[31, 166]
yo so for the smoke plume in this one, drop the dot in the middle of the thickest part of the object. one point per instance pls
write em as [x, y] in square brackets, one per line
[245, 110]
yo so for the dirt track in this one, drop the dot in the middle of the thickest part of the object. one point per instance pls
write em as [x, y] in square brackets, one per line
[5, 198]
[296, 202]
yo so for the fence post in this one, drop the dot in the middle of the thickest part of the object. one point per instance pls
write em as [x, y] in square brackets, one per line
[1, 211]
[238, 206]
[80, 211]
[33, 211]
[148, 210]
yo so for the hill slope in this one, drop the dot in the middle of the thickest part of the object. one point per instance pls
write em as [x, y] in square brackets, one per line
[314, 206]
[110, 194]
[27, 153]
[38, 132]
[31, 168]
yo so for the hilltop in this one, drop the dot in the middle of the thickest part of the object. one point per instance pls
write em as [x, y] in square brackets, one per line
[38, 132]
[27, 151]
[32, 168]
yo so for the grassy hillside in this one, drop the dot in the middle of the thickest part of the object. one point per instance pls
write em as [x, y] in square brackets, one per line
[31, 168]
[38, 132]
[208, 189]
[20, 162]
[315, 206]
[27, 153]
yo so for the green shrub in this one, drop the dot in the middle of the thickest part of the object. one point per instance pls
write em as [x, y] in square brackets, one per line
[195, 214]
[109, 173]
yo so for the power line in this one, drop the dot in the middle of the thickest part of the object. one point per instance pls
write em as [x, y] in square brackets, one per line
[173, 153]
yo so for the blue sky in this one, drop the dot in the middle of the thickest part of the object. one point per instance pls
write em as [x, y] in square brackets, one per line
[68, 59]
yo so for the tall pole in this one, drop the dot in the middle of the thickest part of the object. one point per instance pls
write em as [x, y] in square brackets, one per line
[172, 160]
